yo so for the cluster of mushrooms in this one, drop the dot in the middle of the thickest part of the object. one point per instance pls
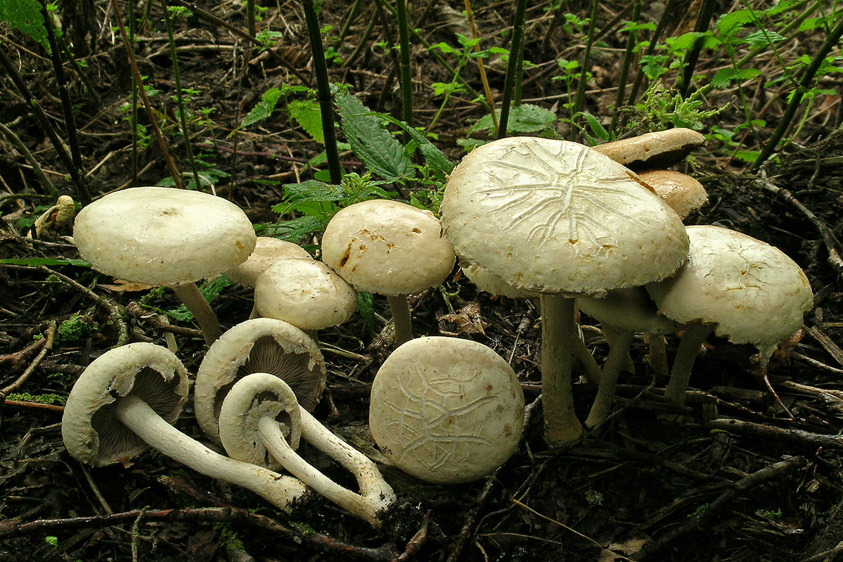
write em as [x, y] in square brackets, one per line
[528, 217]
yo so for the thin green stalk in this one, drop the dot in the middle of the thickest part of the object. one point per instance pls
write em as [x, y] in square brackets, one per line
[406, 71]
[515, 48]
[179, 97]
[701, 26]
[669, 8]
[36, 168]
[579, 102]
[323, 91]
[796, 99]
[133, 117]
[250, 18]
[352, 15]
[480, 66]
[627, 61]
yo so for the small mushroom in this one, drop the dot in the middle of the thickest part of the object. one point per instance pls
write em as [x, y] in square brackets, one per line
[251, 431]
[391, 249]
[659, 149]
[259, 345]
[741, 288]
[126, 400]
[306, 293]
[685, 194]
[165, 236]
[446, 410]
[267, 251]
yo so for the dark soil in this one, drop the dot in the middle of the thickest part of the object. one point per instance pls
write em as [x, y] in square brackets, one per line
[650, 483]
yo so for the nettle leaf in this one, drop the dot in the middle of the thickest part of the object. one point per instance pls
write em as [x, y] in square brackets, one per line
[436, 160]
[296, 229]
[524, 118]
[379, 151]
[263, 109]
[762, 39]
[733, 22]
[311, 191]
[25, 16]
[727, 75]
[307, 114]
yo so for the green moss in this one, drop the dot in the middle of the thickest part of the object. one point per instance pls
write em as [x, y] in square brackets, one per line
[75, 329]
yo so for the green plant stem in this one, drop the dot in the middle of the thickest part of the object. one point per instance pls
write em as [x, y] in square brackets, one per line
[406, 71]
[515, 48]
[323, 91]
[179, 97]
[133, 116]
[362, 43]
[627, 61]
[669, 7]
[352, 15]
[796, 99]
[579, 102]
[250, 18]
[36, 168]
[481, 68]
[701, 26]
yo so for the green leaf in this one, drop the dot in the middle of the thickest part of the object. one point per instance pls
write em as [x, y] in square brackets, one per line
[760, 39]
[524, 118]
[263, 109]
[379, 151]
[25, 16]
[366, 309]
[725, 76]
[35, 262]
[438, 162]
[731, 23]
[307, 114]
[296, 229]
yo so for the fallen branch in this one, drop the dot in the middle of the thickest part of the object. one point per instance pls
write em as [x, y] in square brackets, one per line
[795, 436]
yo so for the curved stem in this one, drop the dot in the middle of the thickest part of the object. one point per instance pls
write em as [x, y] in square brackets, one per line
[192, 298]
[561, 426]
[618, 353]
[279, 490]
[586, 360]
[686, 355]
[401, 319]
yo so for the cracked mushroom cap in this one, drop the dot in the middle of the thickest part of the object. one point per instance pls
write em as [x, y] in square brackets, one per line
[387, 247]
[659, 149]
[446, 410]
[683, 193]
[556, 217]
[306, 293]
[260, 345]
[162, 236]
[267, 251]
[752, 291]
[89, 428]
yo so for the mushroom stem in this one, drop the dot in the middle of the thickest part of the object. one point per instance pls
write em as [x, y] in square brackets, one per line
[586, 360]
[401, 319]
[135, 414]
[192, 298]
[686, 355]
[657, 358]
[618, 353]
[561, 426]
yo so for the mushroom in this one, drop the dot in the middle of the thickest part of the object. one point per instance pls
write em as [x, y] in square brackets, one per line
[684, 194]
[250, 431]
[388, 248]
[659, 149]
[126, 400]
[165, 236]
[259, 345]
[306, 293]
[446, 410]
[560, 219]
[622, 312]
[741, 288]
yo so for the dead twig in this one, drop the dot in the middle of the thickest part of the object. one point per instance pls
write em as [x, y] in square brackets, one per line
[48, 345]
[795, 436]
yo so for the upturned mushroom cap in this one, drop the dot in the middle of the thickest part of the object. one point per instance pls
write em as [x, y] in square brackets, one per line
[683, 193]
[260, 345]
[557, 217]
[628, 309]
[387, 247]
[89, 428]
[162, 236]
[267, 251]
[306, 293]
[446, 410]
[653, 150]
[752, 291]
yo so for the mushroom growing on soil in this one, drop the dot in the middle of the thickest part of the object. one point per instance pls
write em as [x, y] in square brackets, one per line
[391, 249]
[251, 431]
[659, 149]
[741, 288]
[560, 219]
[259, 345]
[125, 402]
[165, 236]
[684, 194]
[446, 410]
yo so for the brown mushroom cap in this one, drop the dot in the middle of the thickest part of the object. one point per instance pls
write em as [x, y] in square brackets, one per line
[267, 251]
[91, 432]
[260, 345]
[683, 193]
[163, 236]
[660, 149]
[446, 410]
[387, 247]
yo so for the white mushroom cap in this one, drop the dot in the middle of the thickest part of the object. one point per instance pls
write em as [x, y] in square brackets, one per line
[267, 251]
[557, 217]
[387, 247]
[628, 309]
[260, 345]
[446, 410]
[752, 291]
[306, 293]
[653, 150]
[163, 236]
[683, 193]
[91, 432]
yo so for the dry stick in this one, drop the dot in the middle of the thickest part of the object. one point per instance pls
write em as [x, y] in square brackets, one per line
[162, 144]
[50, 336]
[36, 168]
[826, 234]
[317, 541]
[701, 520]
[796, 436]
